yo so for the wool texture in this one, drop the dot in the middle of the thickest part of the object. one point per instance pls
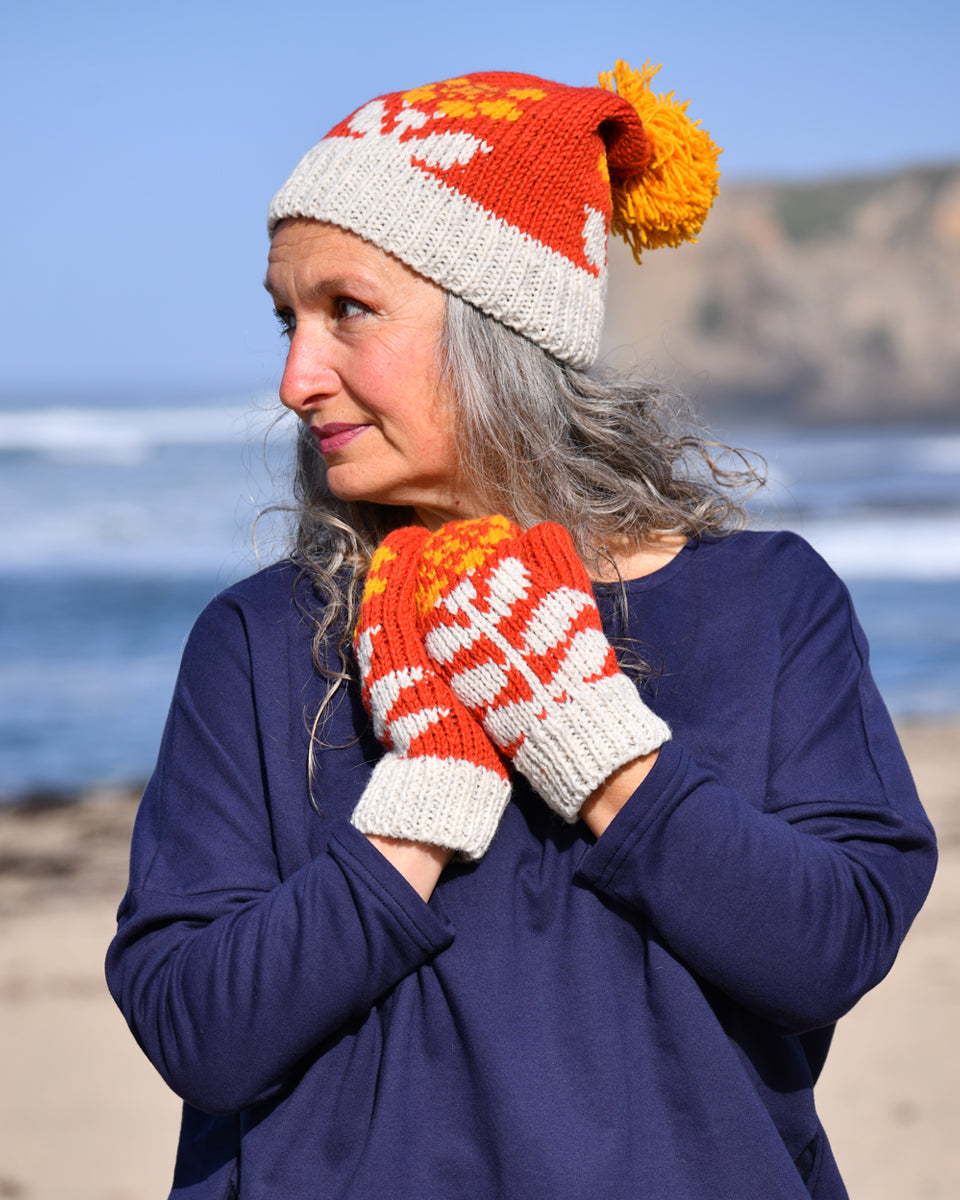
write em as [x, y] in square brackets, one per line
[441, 781]
[502, 187]
[510, 621]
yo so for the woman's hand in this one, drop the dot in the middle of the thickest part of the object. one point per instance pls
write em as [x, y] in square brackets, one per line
[441, 782]
[510, 622]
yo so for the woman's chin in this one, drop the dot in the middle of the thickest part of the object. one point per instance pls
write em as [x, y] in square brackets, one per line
[432, 510]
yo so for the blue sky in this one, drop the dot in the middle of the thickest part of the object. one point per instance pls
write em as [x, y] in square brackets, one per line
[144, 141]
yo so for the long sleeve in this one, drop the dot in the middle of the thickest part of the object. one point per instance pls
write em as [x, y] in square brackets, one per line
[241, 947]
[610, 1017]
[793, 900]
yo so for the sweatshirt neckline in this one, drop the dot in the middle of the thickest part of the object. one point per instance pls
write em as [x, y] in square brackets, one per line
[661, 575]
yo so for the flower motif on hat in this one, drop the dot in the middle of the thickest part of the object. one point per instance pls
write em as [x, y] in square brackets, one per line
[442, 150]
[466, 99]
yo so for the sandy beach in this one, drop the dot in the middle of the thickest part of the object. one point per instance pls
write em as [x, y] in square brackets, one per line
[84, 1117]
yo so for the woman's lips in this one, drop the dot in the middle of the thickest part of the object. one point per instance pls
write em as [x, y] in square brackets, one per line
[335, 435]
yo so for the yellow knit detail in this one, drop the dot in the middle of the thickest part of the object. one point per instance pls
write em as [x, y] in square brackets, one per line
[429, 91]
[455, 550]
[498, 109]
[457, 108]
[376, 584]
[667, 203]
[464, 99]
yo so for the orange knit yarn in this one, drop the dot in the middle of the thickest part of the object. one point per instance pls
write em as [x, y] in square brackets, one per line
[441, 781]
[510, 622]
[388, 621]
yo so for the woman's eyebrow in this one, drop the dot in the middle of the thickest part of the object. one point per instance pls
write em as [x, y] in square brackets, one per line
[332, 286]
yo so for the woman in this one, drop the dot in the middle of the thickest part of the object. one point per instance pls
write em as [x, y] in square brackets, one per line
[428, 898]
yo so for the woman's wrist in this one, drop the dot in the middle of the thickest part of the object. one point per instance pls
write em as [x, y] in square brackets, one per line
[420, 864]
[601, 806]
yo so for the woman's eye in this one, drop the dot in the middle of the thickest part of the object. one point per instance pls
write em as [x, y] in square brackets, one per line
[346, 308]
[287, 322]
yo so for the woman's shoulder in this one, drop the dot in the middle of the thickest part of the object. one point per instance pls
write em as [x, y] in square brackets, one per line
[278, 596]
[779, 550]
[740, 559]
[280, 579]
[778, 568]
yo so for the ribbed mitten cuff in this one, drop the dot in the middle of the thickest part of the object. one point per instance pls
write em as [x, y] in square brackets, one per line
[579, 743]
[441, 801]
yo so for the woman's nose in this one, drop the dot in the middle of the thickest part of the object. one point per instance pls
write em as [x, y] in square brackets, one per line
[309, 376]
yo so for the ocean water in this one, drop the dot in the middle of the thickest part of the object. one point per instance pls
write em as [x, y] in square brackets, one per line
[121, 523]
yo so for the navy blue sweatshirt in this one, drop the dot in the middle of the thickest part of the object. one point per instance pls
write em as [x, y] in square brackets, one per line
[642, 1015]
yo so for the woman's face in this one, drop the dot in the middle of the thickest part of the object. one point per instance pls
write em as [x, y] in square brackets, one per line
[362, 371]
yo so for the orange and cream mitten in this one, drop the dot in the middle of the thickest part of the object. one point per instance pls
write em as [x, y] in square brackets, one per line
[510, 622]
[441, 781]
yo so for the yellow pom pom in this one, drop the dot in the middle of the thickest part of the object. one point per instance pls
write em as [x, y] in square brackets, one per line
[667, 203]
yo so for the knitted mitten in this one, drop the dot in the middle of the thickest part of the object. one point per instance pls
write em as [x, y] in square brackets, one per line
[441, 781]
[510, 622]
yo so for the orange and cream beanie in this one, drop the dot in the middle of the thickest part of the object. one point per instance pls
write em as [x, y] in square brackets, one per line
[502, 189]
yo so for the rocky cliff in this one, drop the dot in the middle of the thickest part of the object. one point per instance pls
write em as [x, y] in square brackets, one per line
[837, 300]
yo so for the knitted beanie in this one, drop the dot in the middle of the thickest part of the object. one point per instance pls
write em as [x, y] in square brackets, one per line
[502, 188]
